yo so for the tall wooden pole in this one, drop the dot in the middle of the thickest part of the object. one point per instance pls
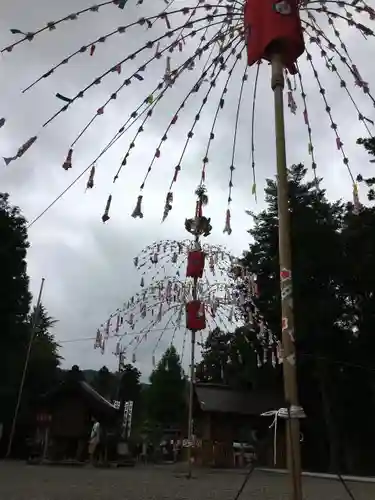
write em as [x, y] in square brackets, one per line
[197, 232]
[34, 328]
[191, 387]
[286, 289]
[191, 403]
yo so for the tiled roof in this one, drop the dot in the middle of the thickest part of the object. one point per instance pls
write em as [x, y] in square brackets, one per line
[222, 399]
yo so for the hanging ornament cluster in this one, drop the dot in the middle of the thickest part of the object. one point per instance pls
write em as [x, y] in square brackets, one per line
[161, 308]
[255, 330]
[199, 226]
[206, 302]
[170, 305]
[171, 256]
[223, 44]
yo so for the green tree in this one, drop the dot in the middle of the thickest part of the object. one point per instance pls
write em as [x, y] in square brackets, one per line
[319, 306]
[166, 395]
[129, 383]
[45, 360]
[15, 301]
[369, 145]
[74, 375]
[129, 389]
[357, 287]
[16, 331]
[237, 359]
[215, 355]
[14, 307]
[105, 383]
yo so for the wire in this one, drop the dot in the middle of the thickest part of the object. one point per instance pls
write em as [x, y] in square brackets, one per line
[111, 143]
[338, 362]
[322, 358]
[252, 154]
[334, 443]
[346, 487]
[252, 467]
[245, 481]
[83, 339]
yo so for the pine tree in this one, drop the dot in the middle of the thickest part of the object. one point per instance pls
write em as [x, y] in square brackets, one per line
[167, 396]
[42, 372]
[318, 305]
[14, 287]
[357, 288]
[369, 145]
[129, 385]
[105, 383]
[16, 331]
[215, 354]
[129, 389]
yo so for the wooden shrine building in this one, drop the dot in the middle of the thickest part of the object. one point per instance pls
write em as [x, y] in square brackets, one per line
[224, 417]
[66, 414]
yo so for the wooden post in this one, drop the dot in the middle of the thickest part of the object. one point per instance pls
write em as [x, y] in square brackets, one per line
[34, 327]
[286, 290]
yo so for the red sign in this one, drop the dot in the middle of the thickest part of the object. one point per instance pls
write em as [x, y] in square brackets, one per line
[285, 274]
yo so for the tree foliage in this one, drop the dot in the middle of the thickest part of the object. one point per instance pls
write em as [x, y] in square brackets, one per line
[166, 395]
[130, 386]
[14, 283]
[105, 383]
[317, 302]
[369, 145]
[232, 358]
[334, 307]
[42, 371]
[16, 328]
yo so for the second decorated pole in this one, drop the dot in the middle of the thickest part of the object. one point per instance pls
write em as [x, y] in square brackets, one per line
[195, 312]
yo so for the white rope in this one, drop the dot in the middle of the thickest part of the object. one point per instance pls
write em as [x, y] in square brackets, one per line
[285, 413]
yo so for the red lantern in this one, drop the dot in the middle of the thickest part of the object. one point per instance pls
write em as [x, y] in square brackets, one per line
[195, 264]
[195, 315]
[273, 24]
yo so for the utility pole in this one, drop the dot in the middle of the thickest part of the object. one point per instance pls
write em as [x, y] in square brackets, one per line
[286, 288]
[34, 327]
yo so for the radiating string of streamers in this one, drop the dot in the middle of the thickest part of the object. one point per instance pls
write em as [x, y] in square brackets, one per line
[252, 152]
[51, 25]
[310, 145]
[163, 302]
[190, 133]
[220, 28]
[177, 72]
[227, 227]
[197, 117]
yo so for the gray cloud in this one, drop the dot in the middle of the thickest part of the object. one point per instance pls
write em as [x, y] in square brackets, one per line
[88, 265]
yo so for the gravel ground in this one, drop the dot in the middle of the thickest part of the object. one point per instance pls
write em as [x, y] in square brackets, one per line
[22, 482]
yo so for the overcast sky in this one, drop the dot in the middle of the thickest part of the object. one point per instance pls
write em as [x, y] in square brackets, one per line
[88, 265]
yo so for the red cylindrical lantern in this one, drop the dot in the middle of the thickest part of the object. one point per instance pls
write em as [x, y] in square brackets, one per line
[273, 24]
[195, 315]
[195, 264]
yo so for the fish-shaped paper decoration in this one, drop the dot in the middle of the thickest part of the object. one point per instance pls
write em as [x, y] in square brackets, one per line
[121, 3]
[21, 151]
